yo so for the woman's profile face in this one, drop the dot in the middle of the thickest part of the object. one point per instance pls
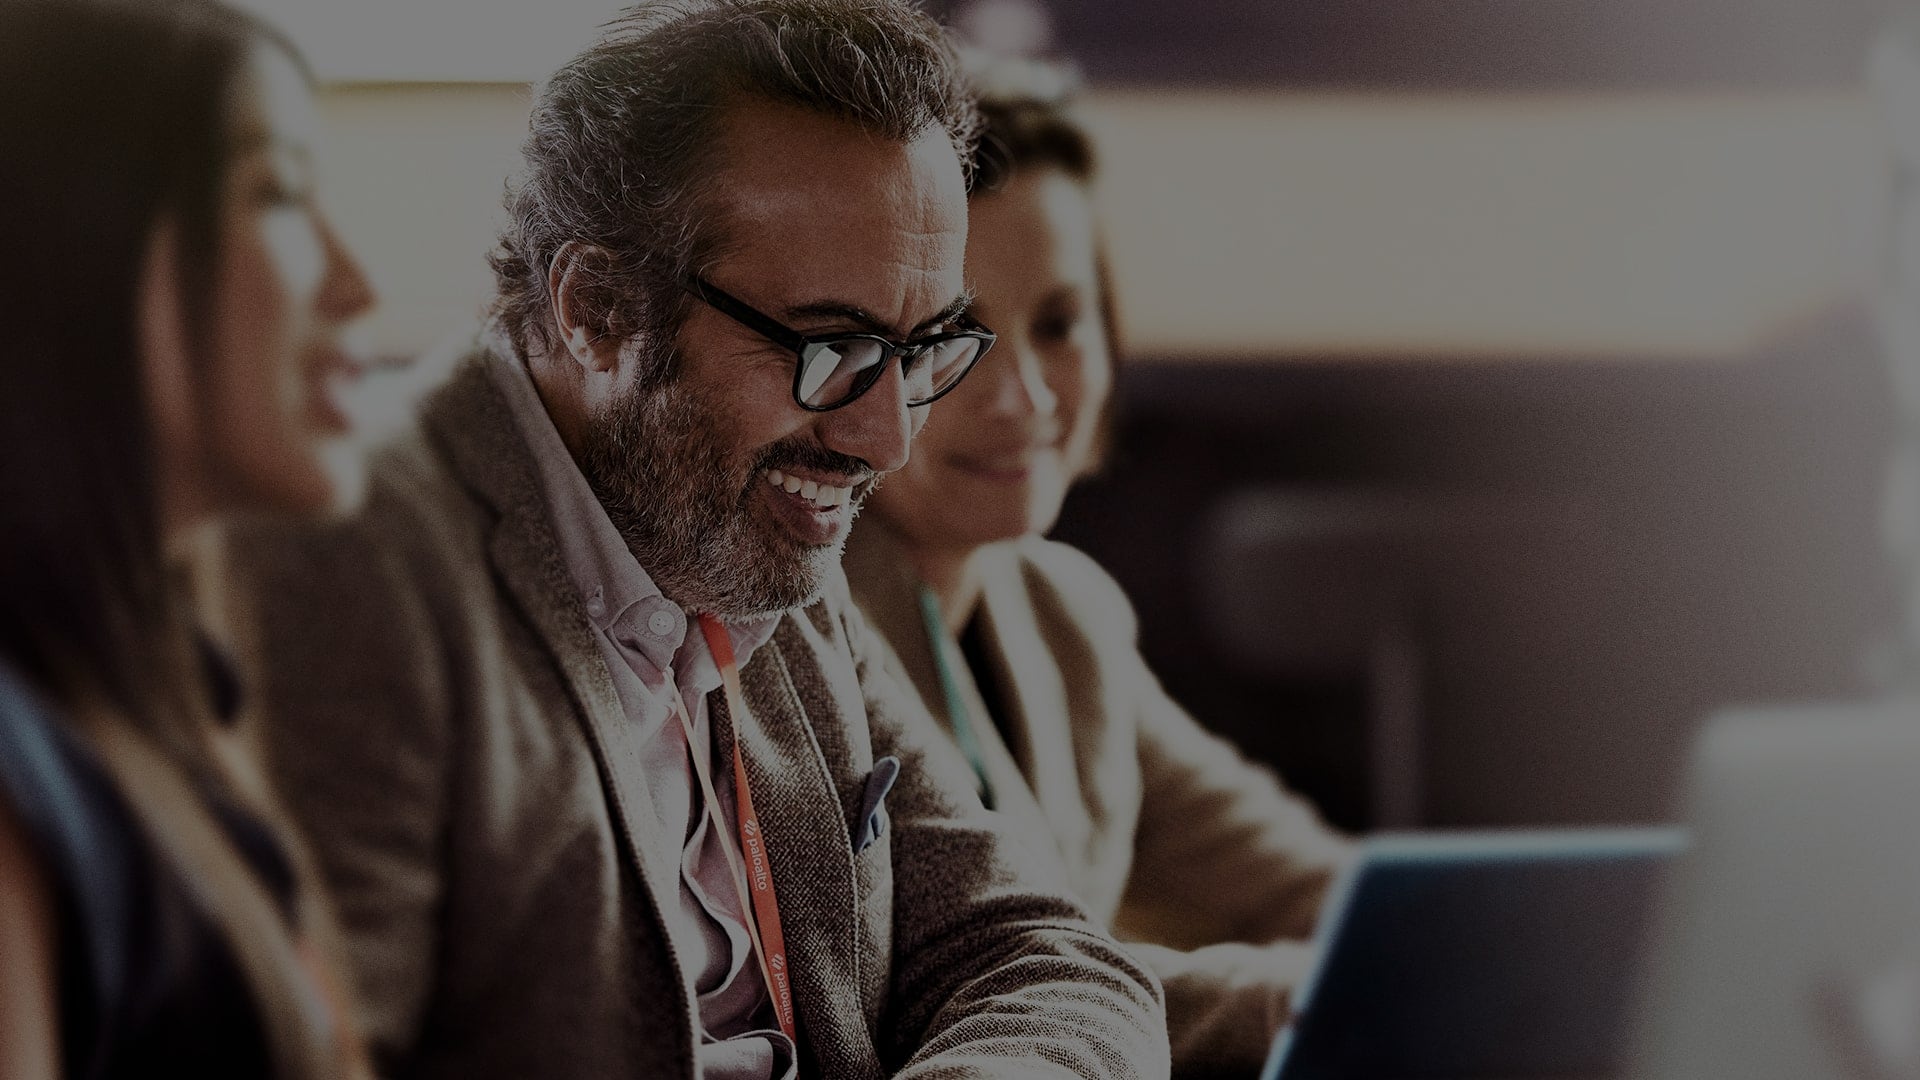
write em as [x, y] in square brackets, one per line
[257, 423]
[998, 453]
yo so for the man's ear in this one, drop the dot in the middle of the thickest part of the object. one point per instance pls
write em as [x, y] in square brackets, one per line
[572, 285]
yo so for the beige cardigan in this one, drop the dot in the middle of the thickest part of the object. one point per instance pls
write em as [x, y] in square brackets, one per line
[1165, 831]
[442, 722]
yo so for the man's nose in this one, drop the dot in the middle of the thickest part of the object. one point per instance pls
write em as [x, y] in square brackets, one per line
[876, 427]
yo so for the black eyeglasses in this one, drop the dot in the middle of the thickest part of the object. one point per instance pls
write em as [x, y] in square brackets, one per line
[834, 369]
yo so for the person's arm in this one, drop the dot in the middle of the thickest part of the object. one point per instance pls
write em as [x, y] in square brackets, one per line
[996, 971]
[353, 721]
[29, 991]
[1230, 869]
[1223, 851]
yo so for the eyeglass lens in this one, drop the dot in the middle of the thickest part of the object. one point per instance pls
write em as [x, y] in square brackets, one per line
[833, 372]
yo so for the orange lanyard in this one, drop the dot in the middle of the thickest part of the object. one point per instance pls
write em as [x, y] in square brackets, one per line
[754, 881]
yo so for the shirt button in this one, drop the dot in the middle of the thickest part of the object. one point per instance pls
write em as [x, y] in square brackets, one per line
[661, 623]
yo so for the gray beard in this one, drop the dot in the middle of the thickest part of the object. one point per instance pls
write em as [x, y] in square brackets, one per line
[682, 504]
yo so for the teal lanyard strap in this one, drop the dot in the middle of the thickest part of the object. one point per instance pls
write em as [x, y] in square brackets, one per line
[936, 627]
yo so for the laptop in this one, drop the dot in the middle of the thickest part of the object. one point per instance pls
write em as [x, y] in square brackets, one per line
[1789, 946]
[1479, 956]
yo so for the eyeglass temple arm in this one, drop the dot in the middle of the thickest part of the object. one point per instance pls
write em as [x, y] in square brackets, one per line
[739, 312]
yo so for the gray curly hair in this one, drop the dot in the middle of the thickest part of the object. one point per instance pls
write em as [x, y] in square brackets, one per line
[621, 135]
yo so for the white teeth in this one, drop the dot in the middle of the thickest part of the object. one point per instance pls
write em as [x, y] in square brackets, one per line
[824, 496]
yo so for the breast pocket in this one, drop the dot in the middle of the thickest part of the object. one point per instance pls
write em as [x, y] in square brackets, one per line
[871, 832]
[870, 825]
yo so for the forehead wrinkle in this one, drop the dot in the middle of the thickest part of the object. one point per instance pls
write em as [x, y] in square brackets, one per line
[914, 277]
[769, 200]
[796, 234]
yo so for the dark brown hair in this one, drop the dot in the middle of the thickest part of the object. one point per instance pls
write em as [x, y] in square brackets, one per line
[114, 117]
[1028, 124]
[623, 135]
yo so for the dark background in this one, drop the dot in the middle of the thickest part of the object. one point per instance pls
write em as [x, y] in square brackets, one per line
[1452, 45]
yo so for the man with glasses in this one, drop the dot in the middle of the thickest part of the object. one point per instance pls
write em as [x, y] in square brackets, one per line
[833, 369]
[599, 760]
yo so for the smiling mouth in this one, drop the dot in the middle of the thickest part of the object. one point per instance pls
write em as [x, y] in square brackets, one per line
[814, 512]
[820, 495]
[333, 374]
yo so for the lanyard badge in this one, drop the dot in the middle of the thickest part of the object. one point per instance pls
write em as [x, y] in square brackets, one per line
[753, 880]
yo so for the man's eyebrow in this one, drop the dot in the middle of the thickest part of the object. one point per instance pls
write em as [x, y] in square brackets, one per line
[955, 308]
[868, 322]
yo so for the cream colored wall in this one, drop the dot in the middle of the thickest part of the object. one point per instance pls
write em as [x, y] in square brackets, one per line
[1484, 226]
[413, 175]
[1299, 224]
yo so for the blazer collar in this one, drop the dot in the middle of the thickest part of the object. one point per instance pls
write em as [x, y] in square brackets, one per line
[879, 567]
[470, 419]
[1032, 766]
[881, 576]
[1026, 660]
[794, 793]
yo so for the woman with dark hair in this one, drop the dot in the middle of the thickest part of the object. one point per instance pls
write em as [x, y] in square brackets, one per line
[173, 303]
[1025, 650]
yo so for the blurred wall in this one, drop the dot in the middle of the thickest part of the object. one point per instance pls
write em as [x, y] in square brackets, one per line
[1266, 224]
[414, 174]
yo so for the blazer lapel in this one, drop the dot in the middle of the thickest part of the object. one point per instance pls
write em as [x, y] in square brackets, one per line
[881, 576]
[1036, 696]
[472, 419]
[800, 811]
[883, 582]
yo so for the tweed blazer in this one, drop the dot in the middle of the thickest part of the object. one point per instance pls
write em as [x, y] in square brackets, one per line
[1163, 829]
[438, 716]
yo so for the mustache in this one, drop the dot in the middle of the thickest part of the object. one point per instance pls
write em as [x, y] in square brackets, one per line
[801, 454]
